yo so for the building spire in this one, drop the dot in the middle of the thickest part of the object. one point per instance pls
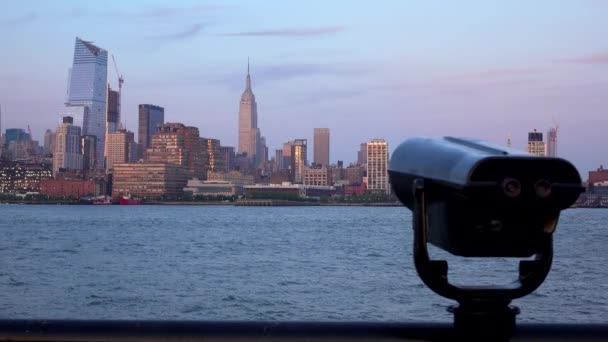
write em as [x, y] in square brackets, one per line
[248, 83]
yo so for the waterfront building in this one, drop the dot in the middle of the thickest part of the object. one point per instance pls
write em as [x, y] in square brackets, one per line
[149, 180]
[213, 159]
[598, 176]
[120, 148]
[77, 188]
[321, 146]
[67, 154]
[317, 176]
[249, 139]
[49, 138]
[354, 189]
[362, 154]
[536, 145]
[298, 160]
[377, 165]
[87, 149]
[199, 187]
[552, 142]
[150, 117]
[234, 177]
[274, 190]
[87, 93]
[18, 177]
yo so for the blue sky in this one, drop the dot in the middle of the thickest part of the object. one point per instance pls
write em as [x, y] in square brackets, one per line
[382, 69]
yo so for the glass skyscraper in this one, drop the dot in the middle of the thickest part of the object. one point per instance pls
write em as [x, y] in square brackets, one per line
[86, 94]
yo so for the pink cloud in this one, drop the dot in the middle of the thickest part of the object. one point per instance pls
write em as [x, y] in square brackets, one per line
[597, 58]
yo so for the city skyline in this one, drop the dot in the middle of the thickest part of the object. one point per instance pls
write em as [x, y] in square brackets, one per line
[486, 88]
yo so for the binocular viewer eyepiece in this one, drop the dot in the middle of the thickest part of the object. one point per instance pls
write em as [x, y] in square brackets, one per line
[483, 200]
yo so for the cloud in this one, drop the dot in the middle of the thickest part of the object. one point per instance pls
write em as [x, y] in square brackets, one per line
[24, 19]
[597, 58]
[301, 32]
[500, 73]
[167, 12]
[190, 32]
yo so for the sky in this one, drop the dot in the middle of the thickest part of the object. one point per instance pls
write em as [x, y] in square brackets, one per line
[381, 69]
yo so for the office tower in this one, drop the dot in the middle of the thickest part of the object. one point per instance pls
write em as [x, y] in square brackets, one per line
[212, 156]
[87, 149]
[48, 142]
[150, 117]
[377, 165]
[120, 146]
[362, 154]
[249, 133]
[87, 92]
[262, 154]
[321, 146]
[178, 144]
[278, 159]
[552, 142]
[535, 143]
[228, 157]
[113, 113]
[287, 155]
[298, 160]
[16, 135]
[67, 154]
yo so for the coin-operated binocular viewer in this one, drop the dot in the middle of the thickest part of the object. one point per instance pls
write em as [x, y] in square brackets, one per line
[475, 199]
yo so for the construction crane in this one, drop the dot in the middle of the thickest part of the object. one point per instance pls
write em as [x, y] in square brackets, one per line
[121, 80]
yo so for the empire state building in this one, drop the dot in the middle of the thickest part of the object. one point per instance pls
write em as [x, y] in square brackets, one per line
[249, 133]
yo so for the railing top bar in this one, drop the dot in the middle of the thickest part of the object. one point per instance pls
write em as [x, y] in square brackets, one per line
[99, 330]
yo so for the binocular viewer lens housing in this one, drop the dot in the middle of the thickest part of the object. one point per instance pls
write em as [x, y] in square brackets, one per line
[484, 200]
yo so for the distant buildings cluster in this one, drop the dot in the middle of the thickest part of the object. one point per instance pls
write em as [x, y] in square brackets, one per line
[89, 153]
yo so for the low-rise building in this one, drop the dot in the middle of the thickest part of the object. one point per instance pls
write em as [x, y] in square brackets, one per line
[68, 187]
[199, 187]
[317, 176]
[149, 180]
[234, 177]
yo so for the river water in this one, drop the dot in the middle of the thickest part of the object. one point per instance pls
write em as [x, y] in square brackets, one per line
[264, 263]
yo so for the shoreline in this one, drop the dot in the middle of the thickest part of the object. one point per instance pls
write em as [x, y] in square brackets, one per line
[218, 203]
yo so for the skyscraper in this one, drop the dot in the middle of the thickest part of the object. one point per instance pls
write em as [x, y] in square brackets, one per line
[113, 113]
[87, 149]
[150, 117]
[362, 155]
[321, 146]
[249, 133]
[48, 142]
[552, 142]
[535, 143]
[87, 92]
[67, 154]
[298, 160]
[377, 165]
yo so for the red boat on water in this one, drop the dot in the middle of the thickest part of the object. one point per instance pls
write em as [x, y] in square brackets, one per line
[128, 200]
